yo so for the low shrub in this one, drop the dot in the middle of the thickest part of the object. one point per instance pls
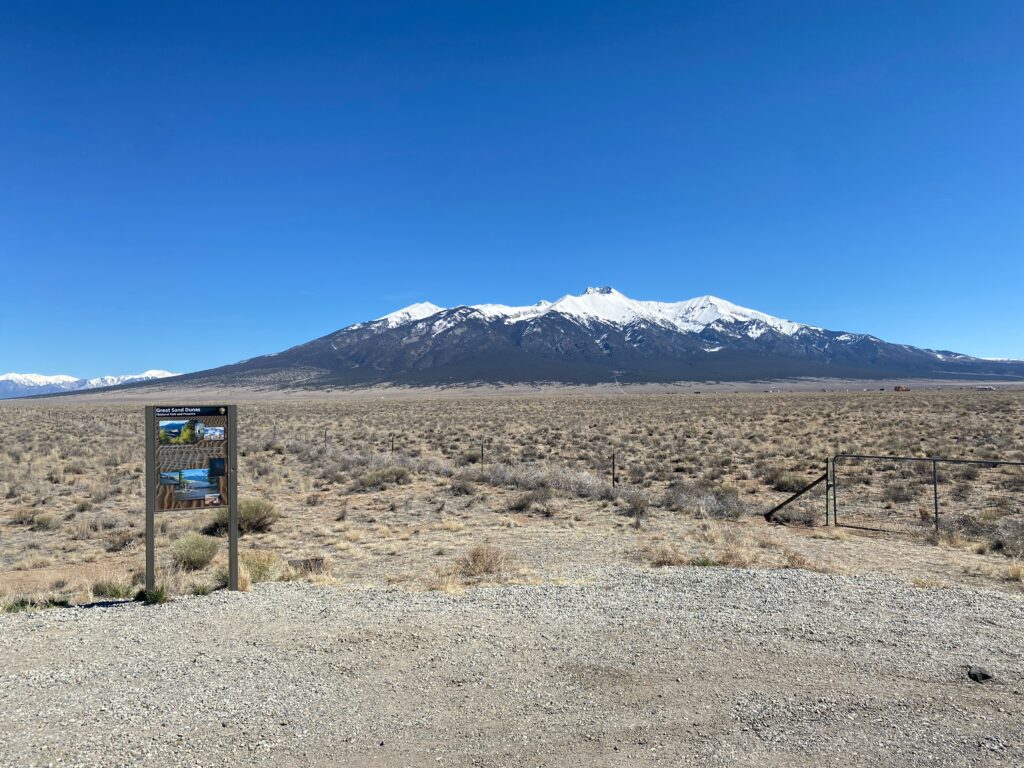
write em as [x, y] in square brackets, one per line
[254, 516]
[538, 475]
[484, 560]
[705, 499]
[798, 515]
[664, 555]
[530, 499]
[45, 522]
[636, 501]
[460, 486]
[897, 493]
[789, 483]
[23, 517]
[1008, 537]
[263, 566]
[379, 479]
[193, 552]
[121, 540]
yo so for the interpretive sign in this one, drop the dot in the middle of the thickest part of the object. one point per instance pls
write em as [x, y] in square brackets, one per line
[191, 463]
[191, 457]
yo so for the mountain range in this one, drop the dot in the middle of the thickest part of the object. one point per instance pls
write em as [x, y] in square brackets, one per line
[26, 384]
[600, 336]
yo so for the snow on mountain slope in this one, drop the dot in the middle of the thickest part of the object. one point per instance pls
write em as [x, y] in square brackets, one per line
[607, 305]
[409, 314]
[37, 380]
[27, 384]
[113, 381]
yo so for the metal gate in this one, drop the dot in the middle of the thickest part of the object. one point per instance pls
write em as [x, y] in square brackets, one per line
[904, 494]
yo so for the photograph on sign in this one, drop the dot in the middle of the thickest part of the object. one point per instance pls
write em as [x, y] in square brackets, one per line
[191, 456]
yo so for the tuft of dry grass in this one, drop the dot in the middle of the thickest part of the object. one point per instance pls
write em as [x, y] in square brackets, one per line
[221, 577]
[114, 587]
[264, 566]
[311, 566]
[1015, 572]
[925, 583]
[664, 555]
[445, 580]
[484, 561]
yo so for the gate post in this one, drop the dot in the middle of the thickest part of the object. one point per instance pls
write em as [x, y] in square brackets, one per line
[835, 505]
[828, 485]
[935, 489]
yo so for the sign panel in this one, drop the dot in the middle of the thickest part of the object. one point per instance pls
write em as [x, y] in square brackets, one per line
[191, 463]
[191, 456]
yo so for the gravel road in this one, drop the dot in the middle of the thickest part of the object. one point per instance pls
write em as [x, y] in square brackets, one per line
[702, 666]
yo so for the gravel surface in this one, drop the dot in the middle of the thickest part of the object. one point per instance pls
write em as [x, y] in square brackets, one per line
[702, 666]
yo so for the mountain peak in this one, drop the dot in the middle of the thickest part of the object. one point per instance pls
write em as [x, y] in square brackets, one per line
[416, 311]
[23, 384]
[37, 379]
[604, 304]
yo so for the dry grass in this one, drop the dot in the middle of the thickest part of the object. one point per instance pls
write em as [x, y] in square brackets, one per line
[484, 562]
[664, 555]
[1015, 572]
[692, 471]
[801, 561]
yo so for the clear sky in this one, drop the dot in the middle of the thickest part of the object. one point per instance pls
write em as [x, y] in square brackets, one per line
[184, 185]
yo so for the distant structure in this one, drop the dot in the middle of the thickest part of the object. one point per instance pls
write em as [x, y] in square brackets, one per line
[901, 388]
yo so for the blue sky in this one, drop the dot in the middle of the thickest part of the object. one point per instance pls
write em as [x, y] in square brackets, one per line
[189, 184]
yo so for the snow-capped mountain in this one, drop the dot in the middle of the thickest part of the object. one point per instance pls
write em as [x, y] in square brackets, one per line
[606, 305]
[26, 384]
[598, 336]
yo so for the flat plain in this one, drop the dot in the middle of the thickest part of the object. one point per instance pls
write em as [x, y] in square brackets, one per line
[391, 543]
[400, 491]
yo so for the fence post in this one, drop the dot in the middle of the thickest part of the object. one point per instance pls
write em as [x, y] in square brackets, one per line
[935, 488]
[828, 485]
[614, 480]
[392, 444]
[835, 504]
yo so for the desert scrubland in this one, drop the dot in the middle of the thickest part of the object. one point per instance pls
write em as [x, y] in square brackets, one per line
[482, 595]
[441, 493]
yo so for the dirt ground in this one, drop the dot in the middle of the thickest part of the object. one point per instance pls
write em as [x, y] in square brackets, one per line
[625, 666]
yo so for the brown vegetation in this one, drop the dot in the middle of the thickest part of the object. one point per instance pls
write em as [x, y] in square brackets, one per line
[693, 471]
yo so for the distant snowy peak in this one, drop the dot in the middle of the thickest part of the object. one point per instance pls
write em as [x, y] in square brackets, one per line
[37, 379]
[27, 384]
[409, 314]
[607, 305]
[113, 381]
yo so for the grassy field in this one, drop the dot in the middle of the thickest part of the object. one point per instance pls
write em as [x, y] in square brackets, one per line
[498, 489]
